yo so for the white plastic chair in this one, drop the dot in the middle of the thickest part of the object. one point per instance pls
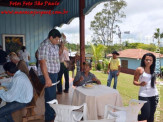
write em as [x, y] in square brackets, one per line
[68, 113]
[125, 114]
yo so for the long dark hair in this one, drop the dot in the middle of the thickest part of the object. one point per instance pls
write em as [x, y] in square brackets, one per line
[152, 67]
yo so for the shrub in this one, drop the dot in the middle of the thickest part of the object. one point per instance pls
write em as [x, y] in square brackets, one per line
[99, 66]
[105, 65]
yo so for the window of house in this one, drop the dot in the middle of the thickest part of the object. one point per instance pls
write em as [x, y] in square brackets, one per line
[124, 63]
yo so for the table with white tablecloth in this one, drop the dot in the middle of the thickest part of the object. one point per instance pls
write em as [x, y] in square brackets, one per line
[96, 99]
[2, 103]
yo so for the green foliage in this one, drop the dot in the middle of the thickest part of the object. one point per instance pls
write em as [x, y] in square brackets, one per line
[99, 67]
[158, 35]
[93, 66]
[105, 22]
[162, 69]
[161, 50]
[105, 65]
[72, 46]
[98, 52]
[32, 64]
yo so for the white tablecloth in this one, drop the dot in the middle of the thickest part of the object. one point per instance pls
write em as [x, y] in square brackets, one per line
[5, 80]
[1, 81]
[96, 99]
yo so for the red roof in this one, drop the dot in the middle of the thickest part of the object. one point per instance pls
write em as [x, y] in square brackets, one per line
[134, 53]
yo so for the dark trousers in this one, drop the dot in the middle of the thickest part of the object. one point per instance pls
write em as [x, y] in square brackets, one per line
[8, 109]
[149, 108]
[50, 94]
[63, 70]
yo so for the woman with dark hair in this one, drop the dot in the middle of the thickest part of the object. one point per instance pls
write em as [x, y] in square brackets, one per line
[145, 78]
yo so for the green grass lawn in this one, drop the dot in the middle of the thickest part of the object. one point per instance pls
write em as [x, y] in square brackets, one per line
[129, 91]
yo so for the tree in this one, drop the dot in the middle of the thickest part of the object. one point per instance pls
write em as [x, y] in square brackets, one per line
[98, 52]
[105, 22]
[158, 35]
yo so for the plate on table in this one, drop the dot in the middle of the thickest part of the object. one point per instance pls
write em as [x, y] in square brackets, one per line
[2, 87]
[88, 86]
[2, 77]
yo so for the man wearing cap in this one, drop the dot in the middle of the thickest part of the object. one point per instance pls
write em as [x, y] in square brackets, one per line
[83, 77]
[113, 69]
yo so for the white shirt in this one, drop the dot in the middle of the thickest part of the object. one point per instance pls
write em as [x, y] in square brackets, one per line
[147, 90]
[64, 56]
[24, 55]
[19, 88]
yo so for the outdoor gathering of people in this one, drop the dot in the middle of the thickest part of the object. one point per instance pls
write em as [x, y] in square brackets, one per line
[52, 62]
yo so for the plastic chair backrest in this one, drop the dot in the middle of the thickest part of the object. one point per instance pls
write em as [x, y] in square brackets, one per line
[133, 109]
[67, 113]
[126, 113]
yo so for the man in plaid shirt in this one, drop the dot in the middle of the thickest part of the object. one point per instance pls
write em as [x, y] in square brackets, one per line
[48, 68]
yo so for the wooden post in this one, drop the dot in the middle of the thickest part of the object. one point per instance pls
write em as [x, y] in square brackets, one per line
[82, 33]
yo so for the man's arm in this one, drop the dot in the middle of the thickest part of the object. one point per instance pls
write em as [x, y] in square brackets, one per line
[96, 80]
[78, 78]
[44, 70]
[108, 67]
[76, 83]
[119, 69]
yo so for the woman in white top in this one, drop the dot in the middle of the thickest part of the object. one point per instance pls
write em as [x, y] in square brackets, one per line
[145, 78]
[24, 55]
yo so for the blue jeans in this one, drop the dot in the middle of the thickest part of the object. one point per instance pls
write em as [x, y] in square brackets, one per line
[50, 94]
[8, 109]
[112, 74]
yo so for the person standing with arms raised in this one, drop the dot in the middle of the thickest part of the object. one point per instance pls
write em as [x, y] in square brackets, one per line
[48, 68]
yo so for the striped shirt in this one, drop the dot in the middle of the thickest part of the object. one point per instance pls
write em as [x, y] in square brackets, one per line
[49, 52]
[19, 89]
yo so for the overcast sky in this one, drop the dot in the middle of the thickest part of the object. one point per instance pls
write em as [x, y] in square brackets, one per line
[142, 19]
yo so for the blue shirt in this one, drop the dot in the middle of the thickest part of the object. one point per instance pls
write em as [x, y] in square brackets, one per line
[19, 89]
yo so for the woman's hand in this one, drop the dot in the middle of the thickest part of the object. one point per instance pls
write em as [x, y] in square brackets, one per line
[143, 83]
[81, 78]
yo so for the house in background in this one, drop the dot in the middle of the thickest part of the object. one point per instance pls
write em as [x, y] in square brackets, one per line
[131, 59]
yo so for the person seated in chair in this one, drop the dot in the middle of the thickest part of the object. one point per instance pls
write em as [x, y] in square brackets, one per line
[18, 94]
[83, 77]
[19, 63]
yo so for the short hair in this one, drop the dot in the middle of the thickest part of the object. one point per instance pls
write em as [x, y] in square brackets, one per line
[23, 47]
[10, 67]
[12, 54]
[15, 57]
[54, 33]
[87, 64]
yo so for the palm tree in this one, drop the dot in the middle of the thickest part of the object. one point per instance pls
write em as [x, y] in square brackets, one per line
[158, 35]
[98, 52]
